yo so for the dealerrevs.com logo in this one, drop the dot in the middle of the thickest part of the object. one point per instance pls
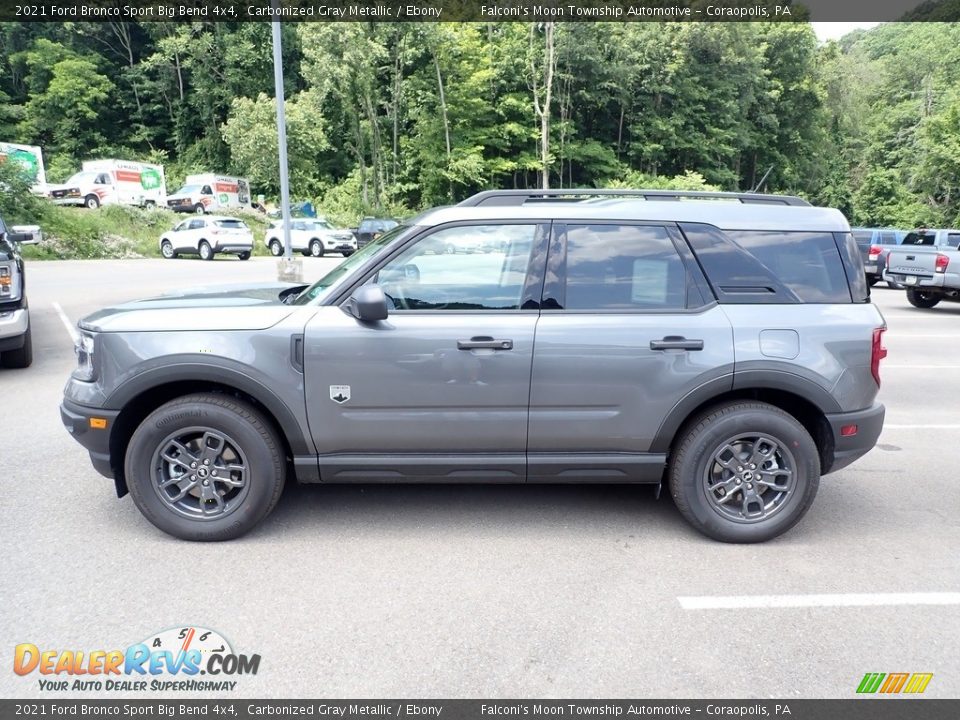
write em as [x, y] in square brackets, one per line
[185, 659]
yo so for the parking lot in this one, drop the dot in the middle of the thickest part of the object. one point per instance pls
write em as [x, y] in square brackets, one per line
[491, 591]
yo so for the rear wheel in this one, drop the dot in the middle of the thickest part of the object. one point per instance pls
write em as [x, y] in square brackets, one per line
[243, 255]
[744, 472]
[92, 202]
[166, 249]
[22, 357]
[205, 467]
[316, 248]
[921, 299]
[206, 252]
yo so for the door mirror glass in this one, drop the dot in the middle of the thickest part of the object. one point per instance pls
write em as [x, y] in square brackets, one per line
[367, 304]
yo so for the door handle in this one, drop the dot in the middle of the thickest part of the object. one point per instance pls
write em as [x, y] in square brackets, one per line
[676, 342]
[484, 342]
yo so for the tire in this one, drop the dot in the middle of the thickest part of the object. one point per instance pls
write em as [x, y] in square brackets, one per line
[716, 438]
[206, 252]
[198, 422]
[316, 248]
[919, 299]
[276, 249]
[166, 249]
[243, 255]
[872, 280]
[347, 253]
[199, 209]
[22, 357]
[91, 202]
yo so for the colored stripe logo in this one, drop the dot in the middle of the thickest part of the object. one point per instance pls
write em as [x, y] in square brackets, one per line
[894, 683]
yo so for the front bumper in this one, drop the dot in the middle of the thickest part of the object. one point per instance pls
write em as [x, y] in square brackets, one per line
[96, 440]
[13, 326]
[847, 449]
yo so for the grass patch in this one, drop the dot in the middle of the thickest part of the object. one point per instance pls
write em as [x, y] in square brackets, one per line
[116, 231]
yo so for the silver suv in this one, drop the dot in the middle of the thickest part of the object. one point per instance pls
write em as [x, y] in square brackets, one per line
[723, 344]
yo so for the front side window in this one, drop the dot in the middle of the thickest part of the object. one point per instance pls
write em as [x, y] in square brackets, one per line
[206, 190]
[196, 224]
[478, 267]
[623, 267]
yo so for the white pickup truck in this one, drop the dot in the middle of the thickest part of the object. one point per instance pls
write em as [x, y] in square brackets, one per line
[927, 262]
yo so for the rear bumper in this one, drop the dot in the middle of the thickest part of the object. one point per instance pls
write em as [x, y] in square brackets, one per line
[96, 441]
[234, 247]
[847, 449]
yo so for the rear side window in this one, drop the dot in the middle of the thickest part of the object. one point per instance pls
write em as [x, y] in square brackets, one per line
[623, 267]
[920, 238]
[807, 263]
[230, 224]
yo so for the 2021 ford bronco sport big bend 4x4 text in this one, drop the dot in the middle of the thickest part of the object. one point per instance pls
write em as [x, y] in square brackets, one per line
[724, 344]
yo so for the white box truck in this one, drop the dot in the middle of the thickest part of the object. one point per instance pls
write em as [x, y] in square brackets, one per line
[30, 160]
[113, 182]
[208, 192]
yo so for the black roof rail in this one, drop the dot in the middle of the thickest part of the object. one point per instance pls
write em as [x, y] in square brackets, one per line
[503, 198]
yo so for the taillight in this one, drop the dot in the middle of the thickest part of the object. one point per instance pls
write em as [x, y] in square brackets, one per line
[877, 353]
[942, 262]
[874, 252]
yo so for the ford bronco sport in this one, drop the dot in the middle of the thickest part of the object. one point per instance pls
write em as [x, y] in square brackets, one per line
[723, 344]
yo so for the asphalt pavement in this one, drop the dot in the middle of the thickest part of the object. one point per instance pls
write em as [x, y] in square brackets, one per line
[490, 591]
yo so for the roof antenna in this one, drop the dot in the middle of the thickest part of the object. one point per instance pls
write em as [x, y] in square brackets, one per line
[763, 179]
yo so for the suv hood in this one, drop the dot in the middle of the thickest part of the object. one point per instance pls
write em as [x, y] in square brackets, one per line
[222, 307]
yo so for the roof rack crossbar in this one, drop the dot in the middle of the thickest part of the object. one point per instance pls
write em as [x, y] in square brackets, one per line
[520, 197]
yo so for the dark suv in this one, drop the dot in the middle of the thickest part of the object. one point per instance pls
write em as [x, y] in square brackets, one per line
[723, 344]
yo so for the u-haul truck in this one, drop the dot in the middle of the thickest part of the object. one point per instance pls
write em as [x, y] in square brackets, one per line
[30, 160]
[113, 182]
[208, 192]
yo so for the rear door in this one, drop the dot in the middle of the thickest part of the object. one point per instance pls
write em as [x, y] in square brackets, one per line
[626, 332]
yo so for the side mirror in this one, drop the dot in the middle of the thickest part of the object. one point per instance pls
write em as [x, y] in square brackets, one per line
[367, 304]
[25, 234]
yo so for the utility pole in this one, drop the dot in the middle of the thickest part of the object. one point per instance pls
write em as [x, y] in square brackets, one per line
[287, 269]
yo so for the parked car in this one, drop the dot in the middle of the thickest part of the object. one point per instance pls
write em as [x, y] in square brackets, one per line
[371, 228]
[928, 264]
[874, 244]
[315, 237]
[726, 348]
[16, 345]
[208, 236]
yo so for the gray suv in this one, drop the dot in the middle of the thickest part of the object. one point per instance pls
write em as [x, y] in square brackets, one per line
[723, 344]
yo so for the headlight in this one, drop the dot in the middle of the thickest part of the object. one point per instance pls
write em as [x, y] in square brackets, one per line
[84, 350]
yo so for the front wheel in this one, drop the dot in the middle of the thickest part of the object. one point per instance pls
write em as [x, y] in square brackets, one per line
[347, 253]
[276, 249]
[199, 209]
[205, 467]
[92, 202]
[920, 299]
[206, 252]
[166, 249]
[316, 248]
[744, 472]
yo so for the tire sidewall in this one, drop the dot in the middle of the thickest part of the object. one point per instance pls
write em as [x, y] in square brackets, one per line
[689, 473]
[205, 255]
[263, 474]
[166, 249]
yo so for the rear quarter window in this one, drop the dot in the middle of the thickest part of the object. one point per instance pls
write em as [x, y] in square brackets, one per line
[807, 263]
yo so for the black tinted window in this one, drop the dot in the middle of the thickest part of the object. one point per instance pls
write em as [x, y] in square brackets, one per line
[807, 263]
[230, 224]
[920, 238]
[623, 267]
[953, 239]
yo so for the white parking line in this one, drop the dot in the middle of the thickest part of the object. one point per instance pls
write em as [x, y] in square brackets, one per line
[885, 366]
[71, 330]
[736, 602]
[943, 426]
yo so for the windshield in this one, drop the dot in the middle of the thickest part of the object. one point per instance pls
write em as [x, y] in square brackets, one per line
[317, 291]
[81, 177]
[188, 190]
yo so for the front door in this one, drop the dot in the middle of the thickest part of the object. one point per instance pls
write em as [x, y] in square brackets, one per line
[438, 391]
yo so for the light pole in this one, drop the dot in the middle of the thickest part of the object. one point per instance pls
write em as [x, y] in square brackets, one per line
[287, 269]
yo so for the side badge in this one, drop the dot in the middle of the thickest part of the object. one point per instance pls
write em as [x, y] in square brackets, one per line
[340, 393]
